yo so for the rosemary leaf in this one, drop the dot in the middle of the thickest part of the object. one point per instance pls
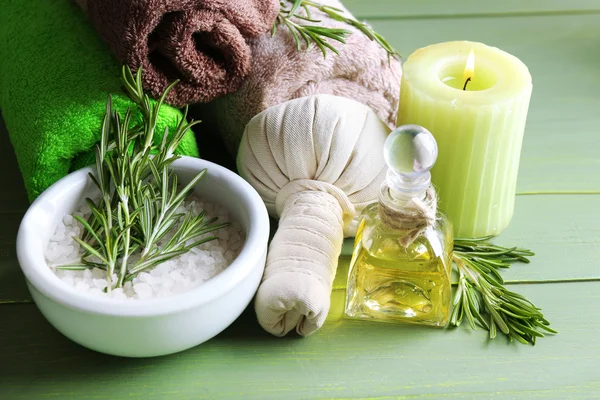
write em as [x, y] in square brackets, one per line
[318, 35]
[483, 299]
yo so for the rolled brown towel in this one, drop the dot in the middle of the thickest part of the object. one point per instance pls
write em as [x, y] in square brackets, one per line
[200, 42]
[280, 72]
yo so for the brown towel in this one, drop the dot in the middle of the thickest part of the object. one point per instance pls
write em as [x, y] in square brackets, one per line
[280, 73]
[200, 42]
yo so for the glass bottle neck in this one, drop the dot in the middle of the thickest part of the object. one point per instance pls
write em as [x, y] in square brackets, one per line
[396, 191]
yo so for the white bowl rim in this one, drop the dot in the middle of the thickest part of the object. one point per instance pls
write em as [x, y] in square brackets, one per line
[253, 251]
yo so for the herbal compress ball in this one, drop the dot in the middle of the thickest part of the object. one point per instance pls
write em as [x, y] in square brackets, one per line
[316, 162]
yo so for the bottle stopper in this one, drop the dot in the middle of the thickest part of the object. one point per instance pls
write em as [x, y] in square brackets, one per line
[410, 151]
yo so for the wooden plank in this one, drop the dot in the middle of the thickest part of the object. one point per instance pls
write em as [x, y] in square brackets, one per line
[13, 197]
[563, 230]
[13, 203]
[12, 281]
[562, 138]
[358, 360]
[558, 107]
[385, 9]
[345, 359]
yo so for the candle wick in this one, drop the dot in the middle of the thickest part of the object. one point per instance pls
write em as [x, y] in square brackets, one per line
[466, 82]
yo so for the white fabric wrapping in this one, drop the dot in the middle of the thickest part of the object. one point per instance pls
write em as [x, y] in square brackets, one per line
[316, 162]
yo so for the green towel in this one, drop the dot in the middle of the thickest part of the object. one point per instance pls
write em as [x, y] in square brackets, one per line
[55, 76]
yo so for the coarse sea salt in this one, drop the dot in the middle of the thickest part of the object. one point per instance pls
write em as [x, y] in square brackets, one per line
[177, 275]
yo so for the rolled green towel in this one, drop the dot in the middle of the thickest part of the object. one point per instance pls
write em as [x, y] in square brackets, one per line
[55, 77]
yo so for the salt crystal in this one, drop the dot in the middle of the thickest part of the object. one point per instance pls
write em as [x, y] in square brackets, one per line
[146, 277]
[100, 283]
[68, 279]
[176, 276]
[178, 287]
[173, 276]
[166, 281]
[161, 269]
[143, 290]
[59, 235]
[83, 286]
[199, 273]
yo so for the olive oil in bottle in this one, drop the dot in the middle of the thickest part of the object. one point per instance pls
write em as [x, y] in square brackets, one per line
[400, 268]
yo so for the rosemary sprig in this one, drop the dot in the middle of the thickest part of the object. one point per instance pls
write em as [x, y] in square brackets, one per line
[310, 33]
[139, 193]
[483, 300]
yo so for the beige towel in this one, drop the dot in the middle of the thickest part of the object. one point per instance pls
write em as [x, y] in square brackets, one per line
[316, 162]
[280, 73]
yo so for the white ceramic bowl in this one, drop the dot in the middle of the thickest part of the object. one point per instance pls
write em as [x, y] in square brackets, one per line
[143, 328]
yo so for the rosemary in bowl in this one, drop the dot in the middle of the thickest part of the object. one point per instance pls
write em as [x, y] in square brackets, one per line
[142, 217]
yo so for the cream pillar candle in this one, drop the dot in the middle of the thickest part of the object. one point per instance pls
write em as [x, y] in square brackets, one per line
[476, 107]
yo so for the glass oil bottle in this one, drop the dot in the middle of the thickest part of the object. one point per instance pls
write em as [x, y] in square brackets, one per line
[397, 274]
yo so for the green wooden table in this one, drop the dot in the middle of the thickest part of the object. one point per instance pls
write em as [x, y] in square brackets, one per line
[557, 215]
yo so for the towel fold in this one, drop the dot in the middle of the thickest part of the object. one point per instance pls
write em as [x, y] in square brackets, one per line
[200, 42]
[55, 77]
[280, 73]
